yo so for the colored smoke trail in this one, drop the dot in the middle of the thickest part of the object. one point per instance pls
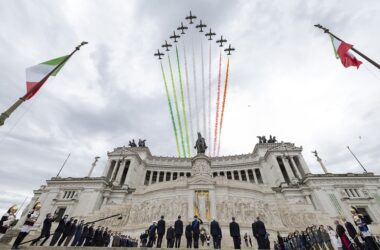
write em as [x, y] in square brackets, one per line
[203, 94]
[217, 105]
[170, 110]
[195, 91]
[187, 152]
[188, 100]
[209, 102]
[177, 109]
[224, 104]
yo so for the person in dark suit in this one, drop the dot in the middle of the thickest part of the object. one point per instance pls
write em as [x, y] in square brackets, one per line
[45, 232]
[152, 234]
[216, 234]
[259, 231]
[59, 230]
[66, 231]
[83, 235]
[189, 235]
[353, 233]
[71, 233]
[178, 230]
[235, 233]
[96, 238]
[90, 236]
[99, 241]
[160, 231]
[170, 237]
[196, 231]
[78, 234]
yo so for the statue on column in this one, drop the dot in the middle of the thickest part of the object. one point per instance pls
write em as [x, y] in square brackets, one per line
[320, 161]
[200, 144]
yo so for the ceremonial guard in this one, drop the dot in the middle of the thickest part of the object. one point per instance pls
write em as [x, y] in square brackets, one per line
[7, 219]
[31, 218]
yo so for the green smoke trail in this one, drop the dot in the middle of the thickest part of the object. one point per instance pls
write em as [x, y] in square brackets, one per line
[183, 105]
[188, 99]
[171, 111]
[176, 108]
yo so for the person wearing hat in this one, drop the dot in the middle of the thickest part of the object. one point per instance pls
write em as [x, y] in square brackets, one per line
[7, 220]
[31, 218]
[235, 233]
[160, 231]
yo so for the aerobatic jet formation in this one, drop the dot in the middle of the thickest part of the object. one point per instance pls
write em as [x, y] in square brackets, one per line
[221, 41]
[182, 28]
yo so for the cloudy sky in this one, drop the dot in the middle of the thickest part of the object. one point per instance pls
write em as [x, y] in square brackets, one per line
[284, 80]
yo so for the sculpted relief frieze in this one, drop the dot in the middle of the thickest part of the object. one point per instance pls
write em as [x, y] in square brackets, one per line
[151, 210]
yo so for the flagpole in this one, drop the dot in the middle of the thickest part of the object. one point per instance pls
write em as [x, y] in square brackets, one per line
[356, 159]
[22, 99]
[355, 50]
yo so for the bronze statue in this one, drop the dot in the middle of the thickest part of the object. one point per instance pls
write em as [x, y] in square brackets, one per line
[263, 139]
[142, 143]
[200, 144]
[132, 143]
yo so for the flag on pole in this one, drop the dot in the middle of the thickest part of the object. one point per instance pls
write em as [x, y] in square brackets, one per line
[37, 75]
[342, 51]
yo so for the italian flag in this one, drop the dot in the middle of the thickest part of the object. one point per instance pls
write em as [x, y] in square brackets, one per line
[37, 75]
[342, 51]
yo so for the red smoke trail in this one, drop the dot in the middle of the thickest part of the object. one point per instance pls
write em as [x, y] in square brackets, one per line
[209, 102]
[217, 105]
[224, 103]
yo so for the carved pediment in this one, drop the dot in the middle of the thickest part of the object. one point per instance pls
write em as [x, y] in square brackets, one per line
[284, 147]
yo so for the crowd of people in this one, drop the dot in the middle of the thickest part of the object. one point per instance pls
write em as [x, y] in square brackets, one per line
[343, 237]
[72, 232]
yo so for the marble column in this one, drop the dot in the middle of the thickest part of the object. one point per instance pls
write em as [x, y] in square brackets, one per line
[289, 170]
[246, 174]
[114, 171]
[150, 177]
[295, 167]
[190, 201]
[119, 173]
[239, 174]
[212, 197]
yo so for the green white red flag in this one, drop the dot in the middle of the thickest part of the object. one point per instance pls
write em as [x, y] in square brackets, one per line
[37, 75]
[342, 52]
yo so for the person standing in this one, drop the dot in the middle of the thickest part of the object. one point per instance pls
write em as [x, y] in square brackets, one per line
[346, 243]
[259, 231]
[7, 220]
[352, 233]
[31, 218]
[189, 235]
[66, 231]
[45, 232]
[235, 233]
[160, 231]
[59, 230]
[83, 235]
[90, 236]
[71, 233]
[170, 237]
[152, 234]
[216, 234]
[196, 231]
[96, 238]
[78, 233]
[178, 229]
[106, 237]
[326, 237]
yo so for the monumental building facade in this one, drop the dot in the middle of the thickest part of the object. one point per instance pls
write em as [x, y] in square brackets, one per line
[273, 182]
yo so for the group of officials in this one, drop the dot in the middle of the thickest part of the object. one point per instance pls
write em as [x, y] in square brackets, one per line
[153, 236]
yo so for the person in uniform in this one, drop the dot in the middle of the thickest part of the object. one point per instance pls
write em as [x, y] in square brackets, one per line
[235, 233]
[31, 218]
[7, 219]
[178, 228]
